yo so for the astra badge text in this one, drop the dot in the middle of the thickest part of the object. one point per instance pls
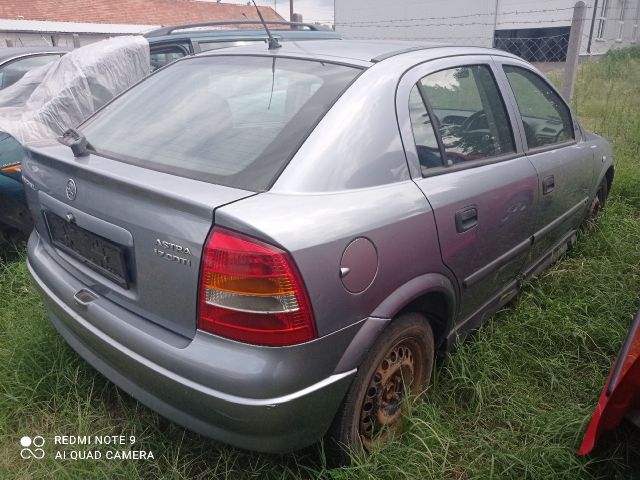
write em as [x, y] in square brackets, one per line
[173, 252]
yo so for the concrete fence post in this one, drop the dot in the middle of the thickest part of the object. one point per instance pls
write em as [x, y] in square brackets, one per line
[298, 19]
[9, 43]
[573, 50]
[76, 40]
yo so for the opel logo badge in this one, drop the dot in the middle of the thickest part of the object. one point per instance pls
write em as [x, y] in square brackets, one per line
[71, 189]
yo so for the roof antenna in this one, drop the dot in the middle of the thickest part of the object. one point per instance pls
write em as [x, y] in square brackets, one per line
[273, 43]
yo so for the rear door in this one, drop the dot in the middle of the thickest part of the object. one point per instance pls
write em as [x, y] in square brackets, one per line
[472, 170]
[553, 143]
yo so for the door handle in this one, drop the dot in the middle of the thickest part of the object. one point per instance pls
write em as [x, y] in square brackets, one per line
[466, 219]
[548, 184]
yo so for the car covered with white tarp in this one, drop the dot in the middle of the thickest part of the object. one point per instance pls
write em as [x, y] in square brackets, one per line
[48, 100]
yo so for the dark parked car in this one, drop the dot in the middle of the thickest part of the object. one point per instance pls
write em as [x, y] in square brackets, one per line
[15, 220]
[16, 61]
[277, 255]
[50, 99]
[176, 41]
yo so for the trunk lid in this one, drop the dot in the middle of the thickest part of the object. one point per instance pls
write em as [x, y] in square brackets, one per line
[132, 235]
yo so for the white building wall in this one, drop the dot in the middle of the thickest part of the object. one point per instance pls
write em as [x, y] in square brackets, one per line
[33, 33]
[30, 39]
[461, 22]
[418, 20]
[619, 19]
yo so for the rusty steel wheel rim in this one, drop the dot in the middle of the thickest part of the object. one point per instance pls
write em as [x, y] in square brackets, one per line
[394, 377]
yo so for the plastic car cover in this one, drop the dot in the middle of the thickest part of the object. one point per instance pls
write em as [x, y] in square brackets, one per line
[50, 99]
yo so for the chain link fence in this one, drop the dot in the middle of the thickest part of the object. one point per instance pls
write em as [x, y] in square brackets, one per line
[536, 49]
[553, 38]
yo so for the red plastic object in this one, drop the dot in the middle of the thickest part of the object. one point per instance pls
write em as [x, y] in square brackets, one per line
[248, 271]
[621, 393]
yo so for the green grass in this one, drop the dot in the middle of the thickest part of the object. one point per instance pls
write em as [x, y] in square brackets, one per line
[512, 402]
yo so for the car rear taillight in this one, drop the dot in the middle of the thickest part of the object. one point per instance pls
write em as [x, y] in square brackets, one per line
[251, 292]
[16, 168]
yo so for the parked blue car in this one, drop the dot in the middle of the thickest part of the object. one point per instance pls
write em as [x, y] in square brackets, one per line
[14, 64]
[14, 215]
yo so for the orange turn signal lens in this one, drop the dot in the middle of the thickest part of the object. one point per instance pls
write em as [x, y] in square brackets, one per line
[257, 286]
[12, 168]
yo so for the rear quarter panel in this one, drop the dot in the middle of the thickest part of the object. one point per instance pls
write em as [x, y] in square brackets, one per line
[316, 229]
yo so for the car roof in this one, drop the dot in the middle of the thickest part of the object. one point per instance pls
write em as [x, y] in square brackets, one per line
[360, 52]
[13, 52]
[238, 28]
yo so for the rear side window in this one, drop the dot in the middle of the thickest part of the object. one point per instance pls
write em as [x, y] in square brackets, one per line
[546, 118]
[15, 70]
[160, 58]
[230, 120]
[424, 132]
[471, 117]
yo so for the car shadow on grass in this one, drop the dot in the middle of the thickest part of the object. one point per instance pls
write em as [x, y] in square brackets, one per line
[621, 446]
[11, 251]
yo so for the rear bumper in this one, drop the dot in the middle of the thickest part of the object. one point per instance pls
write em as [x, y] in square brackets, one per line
[258, 398]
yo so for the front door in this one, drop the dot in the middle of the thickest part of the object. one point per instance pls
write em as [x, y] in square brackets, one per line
[561, 158]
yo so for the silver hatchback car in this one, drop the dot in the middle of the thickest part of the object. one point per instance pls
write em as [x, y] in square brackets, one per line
[270, 246]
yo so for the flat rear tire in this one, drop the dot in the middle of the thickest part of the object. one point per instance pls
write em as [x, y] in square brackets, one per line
[399, 365]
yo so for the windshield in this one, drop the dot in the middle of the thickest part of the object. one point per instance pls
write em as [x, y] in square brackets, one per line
[230, 120]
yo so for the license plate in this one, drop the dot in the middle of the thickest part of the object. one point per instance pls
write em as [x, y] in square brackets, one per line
[98, 253]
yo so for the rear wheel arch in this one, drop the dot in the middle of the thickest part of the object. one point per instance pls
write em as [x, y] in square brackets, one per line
[436, 310]
[432, 295]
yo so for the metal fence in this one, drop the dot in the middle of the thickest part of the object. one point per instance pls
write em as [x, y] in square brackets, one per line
[554, 36]
[536, 49]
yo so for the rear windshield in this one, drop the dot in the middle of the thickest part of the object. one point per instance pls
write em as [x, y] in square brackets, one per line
[230, 120]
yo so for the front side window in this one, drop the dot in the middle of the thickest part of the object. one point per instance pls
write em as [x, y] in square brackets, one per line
[545, 117]
[471, 117]
[229, 120]
[14, 71]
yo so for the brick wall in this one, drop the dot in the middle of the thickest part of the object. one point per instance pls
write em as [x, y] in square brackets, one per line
[140, 12]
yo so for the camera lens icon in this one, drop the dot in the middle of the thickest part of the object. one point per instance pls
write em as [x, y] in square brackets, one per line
[37, 452]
